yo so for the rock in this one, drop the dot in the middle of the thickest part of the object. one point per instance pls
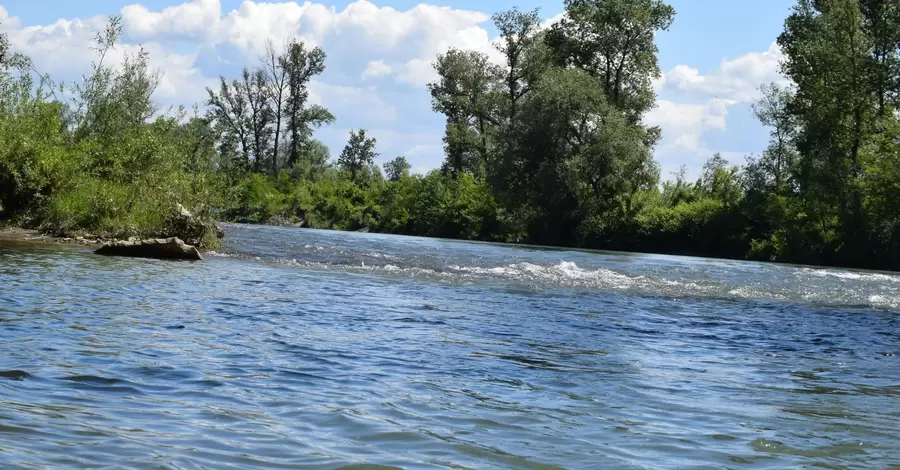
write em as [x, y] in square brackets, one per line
[161, 248]
[190, 227]
[280, 220]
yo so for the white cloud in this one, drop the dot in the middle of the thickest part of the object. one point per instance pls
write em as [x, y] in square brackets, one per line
[189, 20]
[375, 69]
[417, 72]
[63, 50]
[703, 103]
[684, 124]
[736, 79]
[352, 102]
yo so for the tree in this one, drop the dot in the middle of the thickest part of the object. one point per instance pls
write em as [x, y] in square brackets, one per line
[301, 66]
[518, 32]
[10, 59]
[719, 180]
[580, 158]
[827, 56]
[110, 100]
[260, 117]
[881, 20]
[313, 161]
[613, 40]
[277, 90]
[772, 109]
[397, 168]
[467, 94]
[358, 154]
[228, 110]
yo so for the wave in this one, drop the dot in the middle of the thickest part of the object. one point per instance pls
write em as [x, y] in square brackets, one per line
[852, 276]
[567, 274]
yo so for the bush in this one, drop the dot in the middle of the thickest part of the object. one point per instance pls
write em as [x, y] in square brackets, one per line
[703, 227]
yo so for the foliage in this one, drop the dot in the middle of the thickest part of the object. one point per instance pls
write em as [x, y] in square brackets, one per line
[358, 154]
[545, 142]
[397, 168]
[101, 163]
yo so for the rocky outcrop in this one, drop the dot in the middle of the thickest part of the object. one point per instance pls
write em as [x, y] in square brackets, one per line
[189, 227]
[160, 248]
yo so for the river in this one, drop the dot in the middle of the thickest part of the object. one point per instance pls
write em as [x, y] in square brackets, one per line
[297, 348]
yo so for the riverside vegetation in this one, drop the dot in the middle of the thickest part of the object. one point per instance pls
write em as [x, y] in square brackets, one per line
[549, 147]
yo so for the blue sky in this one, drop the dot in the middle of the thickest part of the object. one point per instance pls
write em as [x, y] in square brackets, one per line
[714, 58]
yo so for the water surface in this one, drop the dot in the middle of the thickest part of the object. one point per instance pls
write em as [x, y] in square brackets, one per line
[307, 349]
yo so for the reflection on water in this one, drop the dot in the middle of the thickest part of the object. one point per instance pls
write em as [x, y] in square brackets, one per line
[304, 349]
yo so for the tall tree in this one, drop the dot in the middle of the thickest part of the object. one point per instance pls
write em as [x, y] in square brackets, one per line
[229, 111]
[301, 66]
[518, 31]
[277, 90]
[613, 40]
[826, 48]
[397, 168]
[881, 20]
[772, 109]
[467, 94]
[260, 117]
[358, 154]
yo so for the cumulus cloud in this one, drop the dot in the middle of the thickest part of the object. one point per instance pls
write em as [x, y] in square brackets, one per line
[695, 104]
[736, 79]
[352, 102]
[375, 69]
[187, 20]
[684, 124]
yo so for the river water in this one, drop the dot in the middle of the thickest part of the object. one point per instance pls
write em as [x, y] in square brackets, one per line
[309, 349]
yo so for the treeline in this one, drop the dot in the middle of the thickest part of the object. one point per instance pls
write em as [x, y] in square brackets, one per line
[548, 147]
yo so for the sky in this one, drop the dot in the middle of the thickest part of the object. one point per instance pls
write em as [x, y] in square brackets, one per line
[379, 55]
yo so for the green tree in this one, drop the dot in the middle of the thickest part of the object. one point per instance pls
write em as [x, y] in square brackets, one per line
[110, 101]
[358, 154]
[260, 118]
[613, 40]
[519, 32]
[397, 168]
[720, 180]
[313, 161]
[301, 66]
[827, 55]
[467, 94]
[881, 21]
[230, 114]
[772, 109]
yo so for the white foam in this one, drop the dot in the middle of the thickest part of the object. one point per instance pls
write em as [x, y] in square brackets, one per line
[851, 275]
[884, 301]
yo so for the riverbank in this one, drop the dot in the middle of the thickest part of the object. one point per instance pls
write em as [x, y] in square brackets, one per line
[13, 233]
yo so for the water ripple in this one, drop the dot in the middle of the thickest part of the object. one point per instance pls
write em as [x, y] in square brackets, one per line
[302, 349]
